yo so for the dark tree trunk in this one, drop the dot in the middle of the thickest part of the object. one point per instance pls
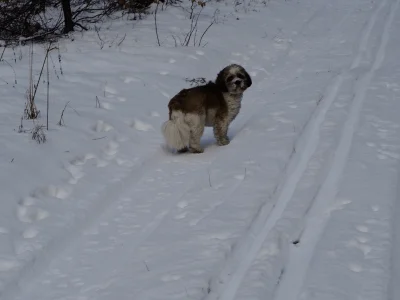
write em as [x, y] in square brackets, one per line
[68, 22]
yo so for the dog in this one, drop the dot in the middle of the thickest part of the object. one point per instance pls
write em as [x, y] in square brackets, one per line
[214, 104]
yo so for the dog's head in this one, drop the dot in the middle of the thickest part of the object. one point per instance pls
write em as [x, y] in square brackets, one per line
[233, 79]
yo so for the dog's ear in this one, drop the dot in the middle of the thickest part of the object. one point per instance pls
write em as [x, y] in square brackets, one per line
[220, 81]
[248, 79]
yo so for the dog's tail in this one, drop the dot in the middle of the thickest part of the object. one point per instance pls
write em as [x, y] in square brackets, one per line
[176, 132]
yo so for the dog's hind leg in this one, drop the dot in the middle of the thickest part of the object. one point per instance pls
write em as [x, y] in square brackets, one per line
[196, 124]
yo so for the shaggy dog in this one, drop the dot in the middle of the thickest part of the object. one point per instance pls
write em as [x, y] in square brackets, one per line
[215, 104]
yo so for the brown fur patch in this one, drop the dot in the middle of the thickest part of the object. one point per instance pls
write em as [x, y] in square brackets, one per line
[198, 100]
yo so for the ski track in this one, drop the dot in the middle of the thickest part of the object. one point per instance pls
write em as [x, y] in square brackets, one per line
[300, 256]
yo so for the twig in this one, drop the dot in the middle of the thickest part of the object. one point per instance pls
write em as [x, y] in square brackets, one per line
[48, 88]
[61, 122]
[2, 53]
[100, 138]
[41, 71]
[209, 178]
[121, 41]
[97, 29]
[176, 44]
[155, 22]
[147, 267]
[209, 26]
[97, 102]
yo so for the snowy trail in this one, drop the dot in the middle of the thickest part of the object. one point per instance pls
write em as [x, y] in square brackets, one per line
[291, 281]
[246, 221]
[306, 146]
[159, 214]
[317, 217]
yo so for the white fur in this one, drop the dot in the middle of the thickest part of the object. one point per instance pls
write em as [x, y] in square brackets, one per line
[234, 104]
[176, 132]
[196, 124]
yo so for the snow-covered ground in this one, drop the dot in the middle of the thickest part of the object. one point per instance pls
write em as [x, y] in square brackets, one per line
[302, 204]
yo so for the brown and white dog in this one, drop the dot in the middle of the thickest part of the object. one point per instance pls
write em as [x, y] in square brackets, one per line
[215, 104]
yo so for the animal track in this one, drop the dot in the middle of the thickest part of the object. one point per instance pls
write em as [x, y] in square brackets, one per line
[29, 214]
[30, 233]
[355, 267]
[110, 90]
[111, 148]
[362, 228]
[101, 126]
[141, 126]
[75, 172]
[106, 106]
[7, 265]
[52, 191]
[131, 79]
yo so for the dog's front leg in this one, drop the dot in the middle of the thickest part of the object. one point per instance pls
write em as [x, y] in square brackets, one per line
[221, 130]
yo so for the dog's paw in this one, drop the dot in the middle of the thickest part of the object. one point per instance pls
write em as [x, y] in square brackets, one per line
[183, 150]
[223, 142]
[196, 150]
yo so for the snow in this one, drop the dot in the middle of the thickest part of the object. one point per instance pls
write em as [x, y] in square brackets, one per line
[302, 204]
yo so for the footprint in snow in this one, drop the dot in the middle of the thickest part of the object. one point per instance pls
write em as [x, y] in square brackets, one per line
[30, 214]
[110, 90]
[362, 228]
[130, 79]
[141, 126]
[111, 149]
[171, 277]
[53, 191]
[8, 265]
[355, 267]
[81, 160]
[75, 173]
[106, 106]
[102, 126]
[30, 233]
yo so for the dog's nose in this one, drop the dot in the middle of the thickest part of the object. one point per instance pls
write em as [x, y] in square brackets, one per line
[237, 82]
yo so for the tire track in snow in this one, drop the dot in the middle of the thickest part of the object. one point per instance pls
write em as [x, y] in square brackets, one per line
[225, 286]
[301, 256]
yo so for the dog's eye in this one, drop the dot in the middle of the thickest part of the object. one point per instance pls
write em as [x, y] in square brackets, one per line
[230, 78]
[240, 76]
